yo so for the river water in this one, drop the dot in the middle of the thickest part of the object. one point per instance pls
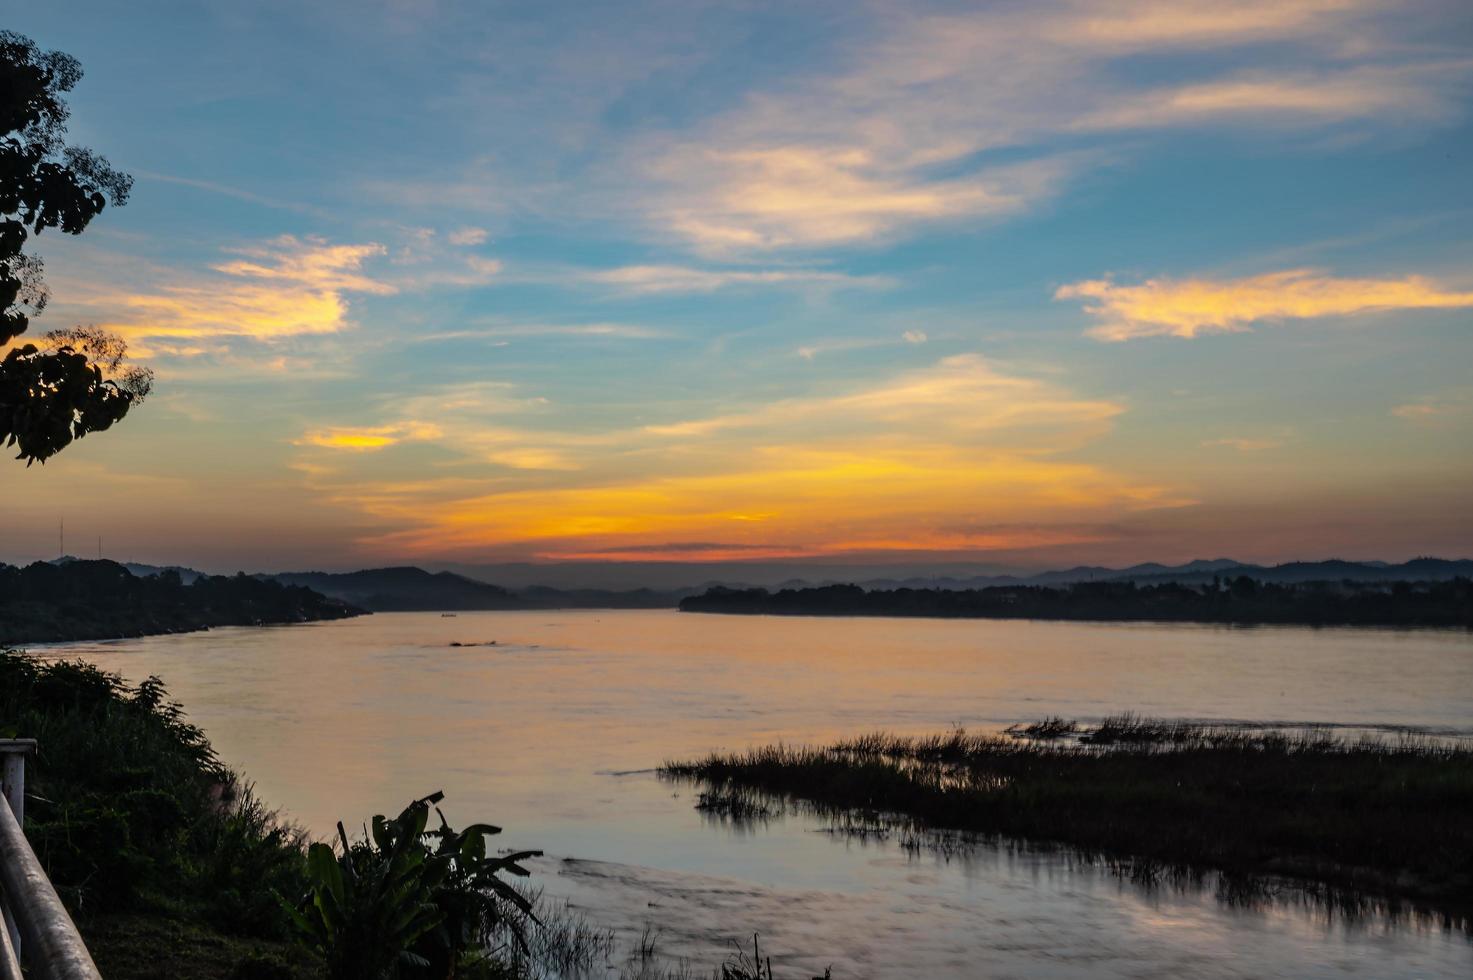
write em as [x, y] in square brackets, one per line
[553, 731]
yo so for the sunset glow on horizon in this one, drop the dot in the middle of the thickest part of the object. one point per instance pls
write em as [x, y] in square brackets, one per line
[1033, 284]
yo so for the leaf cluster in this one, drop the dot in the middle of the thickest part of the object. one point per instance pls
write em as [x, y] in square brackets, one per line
[52, 394]
[410, 902]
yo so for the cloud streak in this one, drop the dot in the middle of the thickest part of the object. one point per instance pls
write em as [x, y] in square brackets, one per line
[902, 131]
[1196, 306]
[1437, 409]
[288, 287]
[369, 438]
[657, 279]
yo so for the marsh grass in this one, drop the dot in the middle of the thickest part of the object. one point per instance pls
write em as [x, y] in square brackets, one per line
[1054, 727]
[1358, 821]
[560, 941]
[739, 806]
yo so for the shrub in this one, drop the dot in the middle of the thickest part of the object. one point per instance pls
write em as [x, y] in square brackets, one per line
[411, 902]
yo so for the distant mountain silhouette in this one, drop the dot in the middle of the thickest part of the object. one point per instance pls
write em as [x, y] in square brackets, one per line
[410, 588]
[407, 588]
[403, 588]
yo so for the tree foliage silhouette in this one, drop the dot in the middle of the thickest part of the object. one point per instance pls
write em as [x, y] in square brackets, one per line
[73, 382]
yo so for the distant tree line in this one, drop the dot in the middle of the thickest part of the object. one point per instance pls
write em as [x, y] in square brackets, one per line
[88, 600]
[1238, 600]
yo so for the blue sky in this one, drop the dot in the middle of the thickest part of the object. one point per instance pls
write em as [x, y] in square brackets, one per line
[1035, 283]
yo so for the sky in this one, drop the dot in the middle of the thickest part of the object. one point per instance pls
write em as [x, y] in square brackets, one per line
[1020, 283]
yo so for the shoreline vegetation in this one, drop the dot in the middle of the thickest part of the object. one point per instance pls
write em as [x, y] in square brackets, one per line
[1242, 601]
[1351, 820]
[102, 600]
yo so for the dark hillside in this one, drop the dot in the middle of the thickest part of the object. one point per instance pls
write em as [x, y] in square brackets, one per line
[403, 588]
[94, 600]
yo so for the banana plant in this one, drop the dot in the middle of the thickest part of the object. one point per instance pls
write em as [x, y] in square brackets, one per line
[409, 903]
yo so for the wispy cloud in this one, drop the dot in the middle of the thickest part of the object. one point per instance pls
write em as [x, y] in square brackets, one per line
[1437, 408]
[313, 262]
[284, 288]
[1138, 26]
[813, 196]
[1244, 444]
[468, 236]
[369, 438]
[1421, 92]
[505, 331]
[1191, 307]
[426, 259]
[468, 420]
[225, 190]
[960, 394]
[466, 271]
[898, 133]
[647, 279]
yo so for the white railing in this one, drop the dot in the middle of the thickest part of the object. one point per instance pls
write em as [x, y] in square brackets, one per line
[38, 930]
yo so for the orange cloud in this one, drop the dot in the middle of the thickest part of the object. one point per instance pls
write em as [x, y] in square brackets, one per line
[1190, 307]
[919, 459]
[312, 263]
[852, 499]
[287, 287]
[369, 438]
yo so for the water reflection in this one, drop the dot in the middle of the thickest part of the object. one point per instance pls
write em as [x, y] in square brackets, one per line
[343, 720]
[745, 811]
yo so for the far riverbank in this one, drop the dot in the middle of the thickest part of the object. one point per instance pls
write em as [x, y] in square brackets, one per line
[1242, 601]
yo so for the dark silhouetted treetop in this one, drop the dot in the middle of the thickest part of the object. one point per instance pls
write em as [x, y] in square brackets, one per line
[72, 383]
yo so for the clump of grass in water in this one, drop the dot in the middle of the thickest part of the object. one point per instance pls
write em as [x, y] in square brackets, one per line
[1054, 727]
[1362, 817]
[1130, 728]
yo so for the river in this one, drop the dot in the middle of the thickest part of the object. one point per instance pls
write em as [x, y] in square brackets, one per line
[551, 724]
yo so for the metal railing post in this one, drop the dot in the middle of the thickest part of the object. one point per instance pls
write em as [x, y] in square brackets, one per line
[13, 773]
[13, 752]
[54, 949]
